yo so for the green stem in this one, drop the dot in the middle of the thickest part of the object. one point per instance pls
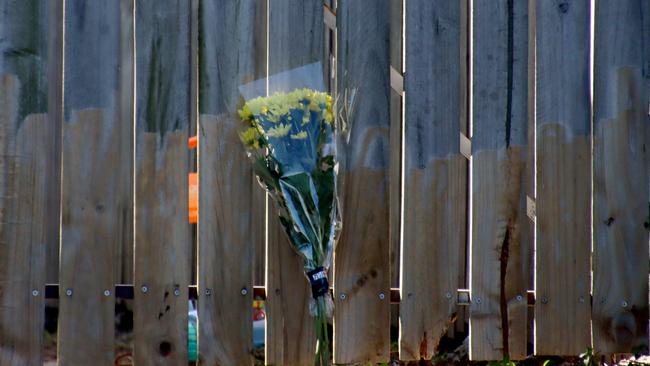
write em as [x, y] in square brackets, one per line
[322, 351]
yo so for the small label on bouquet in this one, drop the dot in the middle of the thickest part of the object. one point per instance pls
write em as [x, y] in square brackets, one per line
[318, 280]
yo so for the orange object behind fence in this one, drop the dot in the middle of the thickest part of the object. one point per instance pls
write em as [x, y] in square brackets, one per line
[193, 189]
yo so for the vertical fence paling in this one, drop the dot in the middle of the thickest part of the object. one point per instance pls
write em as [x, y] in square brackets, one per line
[95, 204]
[162, 236]
[435, 177]
[296, 36]
[258, 230]
[562, 307]
[500, 235]
[29, 129]
[396, 48]
[228, 208]
[462, 314]
[362, 266]
[530, 160]
[396, 131]
[620, 217]
[124, 251]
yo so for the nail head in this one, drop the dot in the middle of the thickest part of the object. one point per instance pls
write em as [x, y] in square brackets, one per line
[244, 291]
[177, 292]
[382, 296]
[624, 304]
[519, 298]
[68, 292]
[342, 296]
[208, 292]
[448, 295]
[107, 293]
[478, 300]
[34, 293]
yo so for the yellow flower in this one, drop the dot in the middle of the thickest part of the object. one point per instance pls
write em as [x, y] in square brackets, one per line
[299, 136]
[278, 131]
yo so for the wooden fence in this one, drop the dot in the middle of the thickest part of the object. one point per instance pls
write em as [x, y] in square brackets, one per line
[499, 151]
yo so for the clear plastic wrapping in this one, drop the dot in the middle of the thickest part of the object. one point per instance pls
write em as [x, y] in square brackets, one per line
[290, 136]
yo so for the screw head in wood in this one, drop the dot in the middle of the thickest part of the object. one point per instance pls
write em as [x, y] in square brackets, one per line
[581, 299]
[519, 298]
[478, 300]
[448, 295]
[244, 291]
[177, 292]
[624, 304]
[342, 296]
[107, 292]
[544, 300]
[144, 289]
[68, 292]
[34, 292]
[208, 292]
[382, 296]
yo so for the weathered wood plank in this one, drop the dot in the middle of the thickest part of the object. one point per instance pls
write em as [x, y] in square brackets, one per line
[562, 308]
[91, 213]
[25, 149]
[258, 206]
[620, 217]
[296, 34]
[124, 254]
[435, 177]
[96, 206]
[227, 232]
[500, 241]
[162, 236]
[29, 172]
[461, 324]
[55, 117]
[396, 128]
[396, 135]
[530, 160]
[362, 261]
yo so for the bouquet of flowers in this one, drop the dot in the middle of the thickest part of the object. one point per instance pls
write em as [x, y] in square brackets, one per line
[290, 138]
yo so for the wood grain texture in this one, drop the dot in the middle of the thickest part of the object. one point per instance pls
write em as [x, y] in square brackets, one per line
[162, 250]
[100, 75]
[563, 205]
[29, 172]
[396, 135]
[228, 233]
[396, 129]
[530, 156]
[500, 237]
[162, 236]
[258, 206]
[362, 258]
[90, 233]
[290, 336]
[435, 177]
[25, 150]
[55, 116]
[124, 254]
[620, 218]
[96, 203]
[461, 324]
[296, 36]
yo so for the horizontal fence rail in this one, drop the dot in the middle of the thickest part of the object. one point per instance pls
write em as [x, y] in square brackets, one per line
[496, 186]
